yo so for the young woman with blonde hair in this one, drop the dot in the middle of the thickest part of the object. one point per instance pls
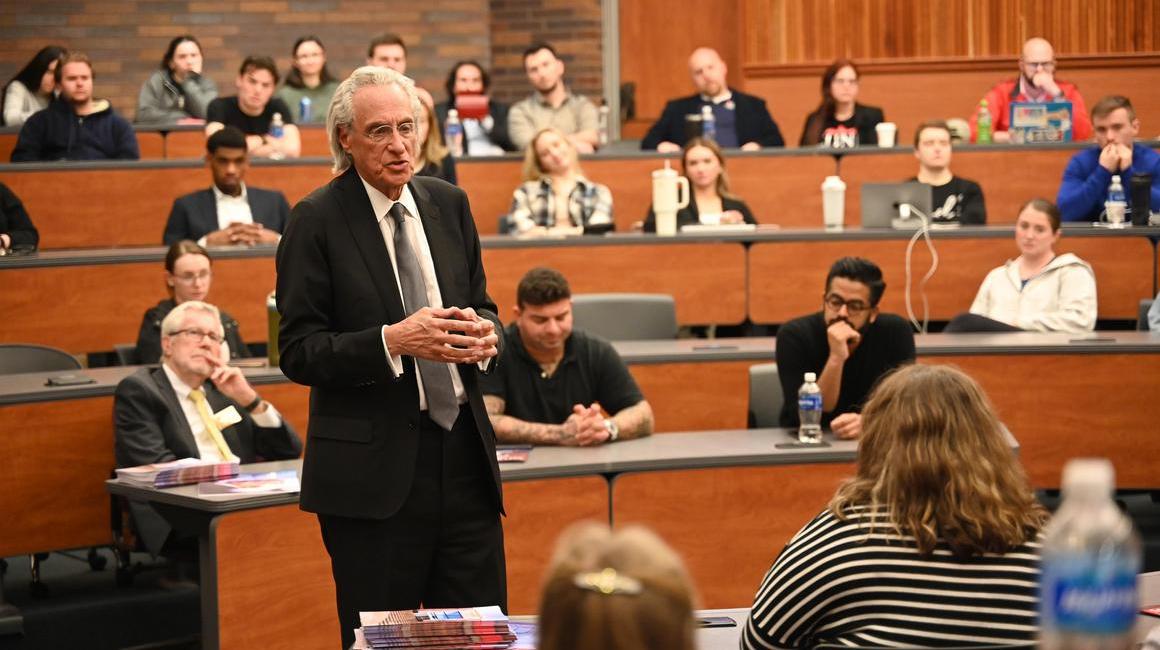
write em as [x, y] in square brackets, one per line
[935, 541]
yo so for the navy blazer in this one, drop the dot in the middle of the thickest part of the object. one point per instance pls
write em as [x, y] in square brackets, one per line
[754, 123]
[336, 291]
[195, 215]
[150, 427]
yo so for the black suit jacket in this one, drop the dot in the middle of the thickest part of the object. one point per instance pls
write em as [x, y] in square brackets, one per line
[195, 215]
[335, 292]
[754, 123]
[14, 220]
[499, 132]
[150, 427]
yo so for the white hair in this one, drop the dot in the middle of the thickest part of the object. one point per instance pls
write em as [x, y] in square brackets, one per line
[176, 318]
[341, 111]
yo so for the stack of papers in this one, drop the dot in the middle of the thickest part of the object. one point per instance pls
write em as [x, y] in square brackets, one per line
[177, 472]
[512, 453]
[254, 483]
[475, 628]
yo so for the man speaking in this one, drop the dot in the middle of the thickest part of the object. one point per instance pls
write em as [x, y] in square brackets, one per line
[385, 315]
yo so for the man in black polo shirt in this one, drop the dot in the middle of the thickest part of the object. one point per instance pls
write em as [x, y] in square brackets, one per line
[556, 386]
[253, 110]
[848, 344]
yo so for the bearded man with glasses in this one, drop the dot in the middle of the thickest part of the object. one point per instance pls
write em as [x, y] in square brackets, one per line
[848, 344]
[1036, 83]
[193, 406]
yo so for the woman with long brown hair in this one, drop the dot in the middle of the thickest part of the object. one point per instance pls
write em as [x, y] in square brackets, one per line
[935, 541]
[840, 121]
[711, 202]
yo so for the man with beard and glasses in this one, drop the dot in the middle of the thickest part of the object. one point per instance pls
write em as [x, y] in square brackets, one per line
[848, 344]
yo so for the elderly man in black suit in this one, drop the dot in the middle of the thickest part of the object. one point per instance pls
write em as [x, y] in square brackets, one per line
[193, 406]
[741, 120]
[385, 315]
[230, 212]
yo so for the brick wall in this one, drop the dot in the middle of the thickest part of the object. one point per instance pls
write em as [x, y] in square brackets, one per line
[571, 26]
[126, 38]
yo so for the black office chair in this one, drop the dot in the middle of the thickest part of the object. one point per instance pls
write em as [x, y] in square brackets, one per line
[16, 358]
[1142, 315]
[765, 397]
[127, 354]
[626, 316]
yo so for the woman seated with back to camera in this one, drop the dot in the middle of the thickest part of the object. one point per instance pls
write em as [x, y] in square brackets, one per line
[840, 121]
[711, 202]
[615, 590]
[935, 541]
[1039, 290]
[555, 197]
[188, 276]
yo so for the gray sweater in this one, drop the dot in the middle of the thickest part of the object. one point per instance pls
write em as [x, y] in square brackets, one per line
[163, 101]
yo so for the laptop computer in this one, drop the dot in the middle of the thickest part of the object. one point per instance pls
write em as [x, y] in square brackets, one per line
[1035, 122]
[880, 203]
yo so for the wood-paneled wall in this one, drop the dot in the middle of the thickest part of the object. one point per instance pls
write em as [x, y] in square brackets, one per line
[809, 31]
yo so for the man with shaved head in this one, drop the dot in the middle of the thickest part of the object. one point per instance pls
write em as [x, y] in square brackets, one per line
[1036, 83]
[742, 120]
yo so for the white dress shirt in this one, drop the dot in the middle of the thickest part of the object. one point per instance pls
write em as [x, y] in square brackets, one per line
[382, 204]
[206, 448]
[230, 209]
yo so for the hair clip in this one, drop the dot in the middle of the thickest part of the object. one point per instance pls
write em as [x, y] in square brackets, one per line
[607, 581]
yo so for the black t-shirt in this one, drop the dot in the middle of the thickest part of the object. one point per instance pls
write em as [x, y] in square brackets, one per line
[859, 129]
[967, 206]
[591, 371]
[803, 346]
[227, 111]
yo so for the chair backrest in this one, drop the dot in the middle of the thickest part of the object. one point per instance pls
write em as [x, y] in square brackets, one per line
[765, 397]
[127, 354]
[1142, 315]
[626, 316]
[20, 357]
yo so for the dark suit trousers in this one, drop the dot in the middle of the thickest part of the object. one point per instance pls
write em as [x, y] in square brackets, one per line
[444, 548]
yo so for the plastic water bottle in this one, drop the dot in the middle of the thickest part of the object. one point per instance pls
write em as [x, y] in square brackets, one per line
[983, 124]
[1089, 563]
[708, 123]
[304, 107]
[277, 128]
[453, 133]
[810, 410]
[1117, 204]
[603, 126]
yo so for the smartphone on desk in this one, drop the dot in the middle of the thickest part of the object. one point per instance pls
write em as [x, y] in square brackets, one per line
[715, 621]
[69, 380]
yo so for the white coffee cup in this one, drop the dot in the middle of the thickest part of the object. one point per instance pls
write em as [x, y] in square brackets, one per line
[886, 133]
[670, 194]
[833, 202]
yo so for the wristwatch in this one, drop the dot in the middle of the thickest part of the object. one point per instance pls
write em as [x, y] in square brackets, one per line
[613, 429]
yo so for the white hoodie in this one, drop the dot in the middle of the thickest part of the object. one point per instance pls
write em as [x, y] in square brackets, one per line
[1060, 298]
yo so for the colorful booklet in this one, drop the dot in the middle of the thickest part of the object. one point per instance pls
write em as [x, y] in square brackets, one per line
[480, 628]
[254, 483]
[183, 471]
[512, 453]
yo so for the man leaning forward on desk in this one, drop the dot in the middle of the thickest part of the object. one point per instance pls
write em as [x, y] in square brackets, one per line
[385, 315]
[193, 406]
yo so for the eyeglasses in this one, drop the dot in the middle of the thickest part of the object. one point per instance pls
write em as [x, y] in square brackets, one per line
[1046, 65]
[835, 302]
[190, 278]
[199, 336]
[385, 131]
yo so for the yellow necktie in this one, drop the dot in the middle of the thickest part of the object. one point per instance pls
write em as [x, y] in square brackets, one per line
[211, 426]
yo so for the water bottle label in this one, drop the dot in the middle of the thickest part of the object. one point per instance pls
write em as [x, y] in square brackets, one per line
[810, 402]
[1088, 595]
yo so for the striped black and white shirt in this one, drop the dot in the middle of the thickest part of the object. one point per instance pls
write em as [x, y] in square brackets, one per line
[836, 582]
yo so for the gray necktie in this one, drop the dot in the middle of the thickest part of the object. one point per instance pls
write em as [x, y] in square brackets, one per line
[441, 404]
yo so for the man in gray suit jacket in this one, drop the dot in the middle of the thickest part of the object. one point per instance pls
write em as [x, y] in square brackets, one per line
[229, 213]
[157, 417]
